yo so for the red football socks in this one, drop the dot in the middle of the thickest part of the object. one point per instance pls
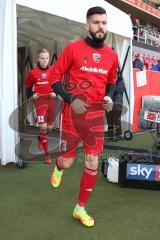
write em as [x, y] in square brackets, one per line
[87, 183]
[58, 164]
[44, 141]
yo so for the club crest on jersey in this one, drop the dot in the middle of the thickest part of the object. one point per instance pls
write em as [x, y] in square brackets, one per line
[44, 75]
[96, 57]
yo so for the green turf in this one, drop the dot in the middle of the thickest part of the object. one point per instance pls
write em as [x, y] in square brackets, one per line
[144, 141]
[30, 209]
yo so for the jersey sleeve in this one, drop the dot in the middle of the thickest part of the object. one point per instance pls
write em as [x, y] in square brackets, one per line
[62, 65]
[113, 72]
[29, 80]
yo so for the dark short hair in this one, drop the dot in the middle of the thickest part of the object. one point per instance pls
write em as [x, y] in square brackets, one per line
[95, 10]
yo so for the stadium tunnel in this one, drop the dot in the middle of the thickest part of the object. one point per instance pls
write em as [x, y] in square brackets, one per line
[30, 25]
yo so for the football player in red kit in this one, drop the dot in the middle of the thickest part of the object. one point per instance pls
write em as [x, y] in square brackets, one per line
[91, 67]
[38, 87]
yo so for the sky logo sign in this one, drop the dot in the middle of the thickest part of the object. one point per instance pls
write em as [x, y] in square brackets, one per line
[150, 172]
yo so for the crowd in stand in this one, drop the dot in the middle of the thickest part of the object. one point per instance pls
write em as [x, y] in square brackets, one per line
[145, 33]
[148, 61]
[153, 3]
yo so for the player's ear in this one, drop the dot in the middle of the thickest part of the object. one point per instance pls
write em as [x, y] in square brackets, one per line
[87, 26]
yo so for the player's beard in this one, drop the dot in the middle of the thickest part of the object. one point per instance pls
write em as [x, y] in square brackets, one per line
[98, 39]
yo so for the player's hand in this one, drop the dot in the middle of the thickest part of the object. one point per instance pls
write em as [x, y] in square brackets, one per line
[107, 104]
[35, 96]
[53, 95]
[79, 106]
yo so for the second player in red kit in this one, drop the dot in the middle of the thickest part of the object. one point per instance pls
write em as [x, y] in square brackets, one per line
[38, 87]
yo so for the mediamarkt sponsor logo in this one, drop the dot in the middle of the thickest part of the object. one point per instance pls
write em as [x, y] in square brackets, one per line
[96, 70]
[44, 82]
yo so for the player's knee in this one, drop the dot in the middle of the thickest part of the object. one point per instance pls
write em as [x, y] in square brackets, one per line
[67, 162]
[91, 161]
[43, 127]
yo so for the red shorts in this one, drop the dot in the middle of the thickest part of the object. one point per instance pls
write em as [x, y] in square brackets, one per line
[45, 109]
[87, 128]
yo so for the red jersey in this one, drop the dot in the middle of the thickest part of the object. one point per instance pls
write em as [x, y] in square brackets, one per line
[39, 79]
[88, 69]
